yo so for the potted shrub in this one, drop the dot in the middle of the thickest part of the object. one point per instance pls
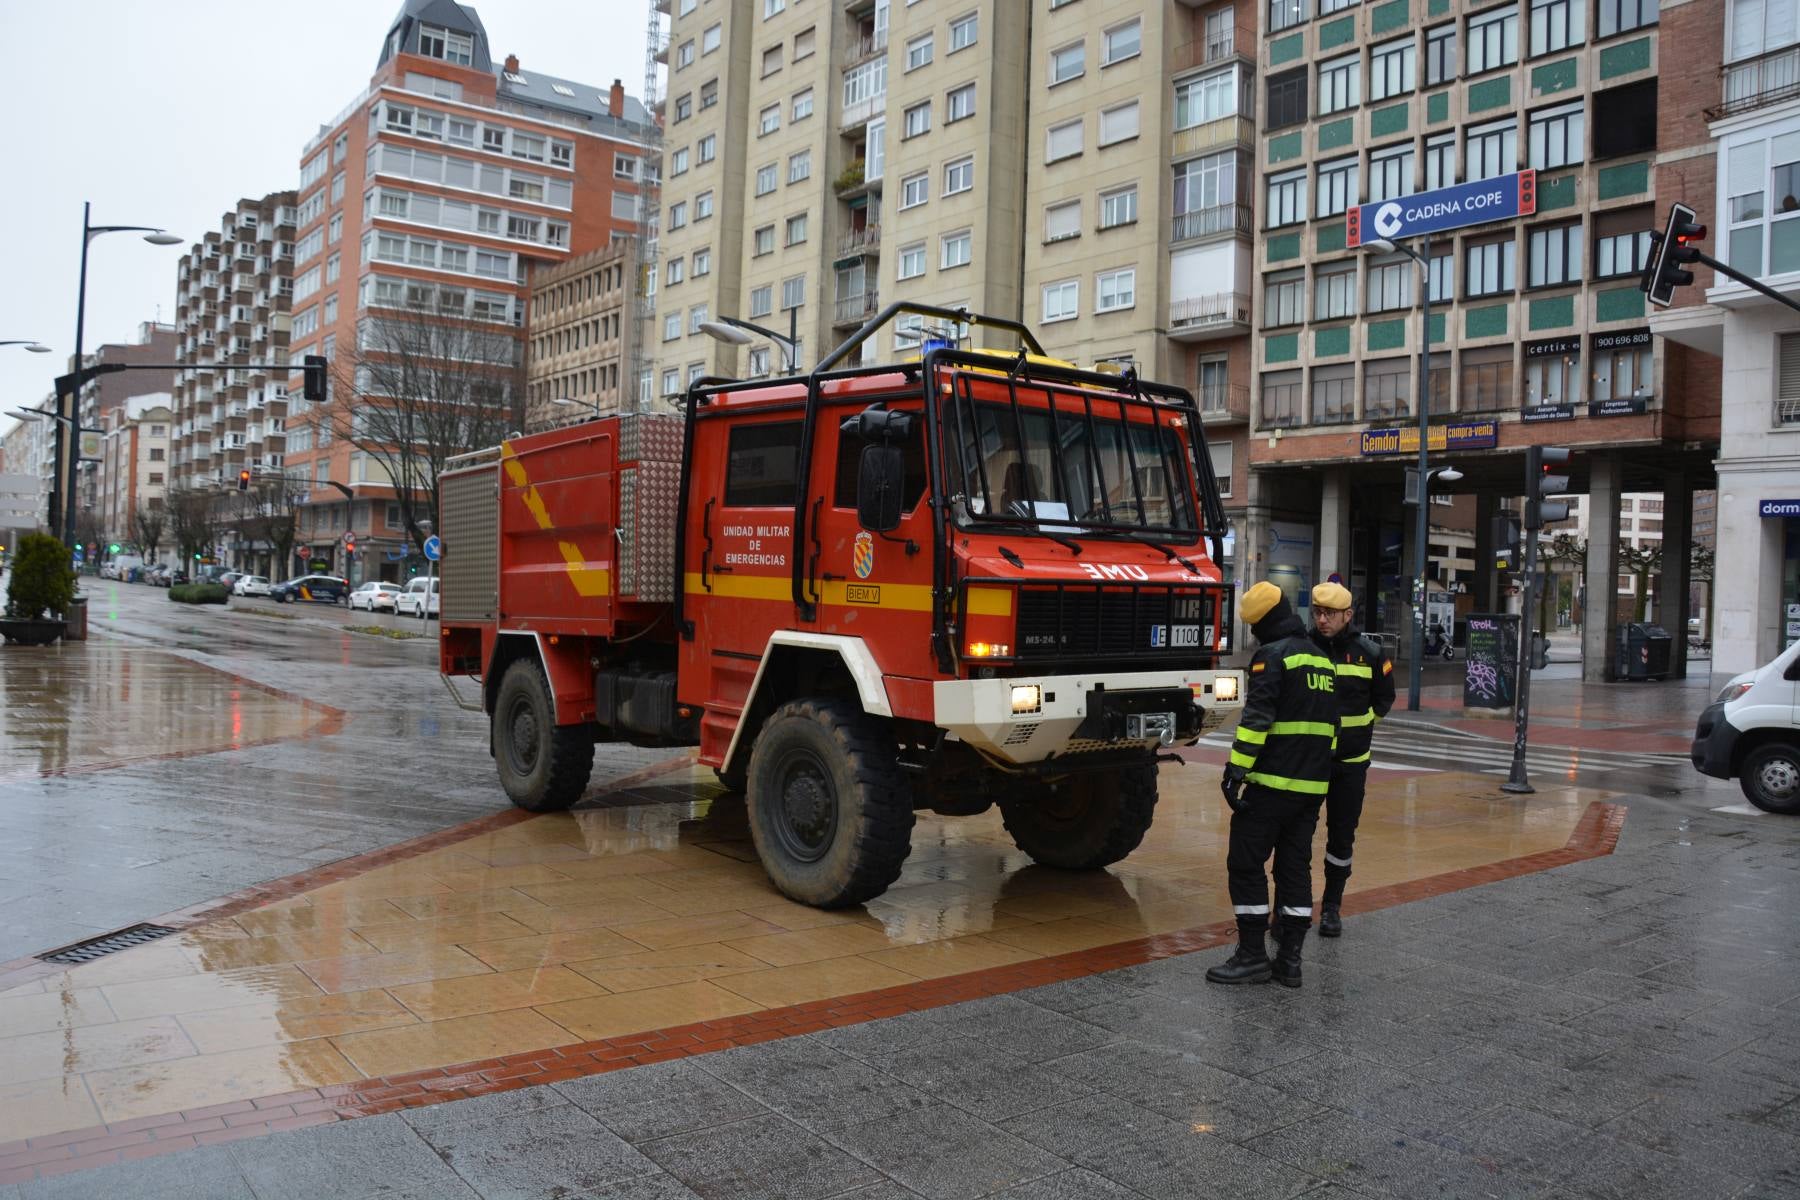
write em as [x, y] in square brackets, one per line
[42, 582]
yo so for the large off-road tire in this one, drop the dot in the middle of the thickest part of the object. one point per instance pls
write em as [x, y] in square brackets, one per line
[544, 767]
[1770, 777]
[1081, 822]
[830, 812]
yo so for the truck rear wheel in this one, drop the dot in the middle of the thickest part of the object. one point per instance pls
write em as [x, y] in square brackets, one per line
[544, 767]
[1081, 822]
[830, 813]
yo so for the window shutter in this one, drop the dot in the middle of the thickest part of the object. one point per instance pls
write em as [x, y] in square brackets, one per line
[1062, 221]
[1787, 395]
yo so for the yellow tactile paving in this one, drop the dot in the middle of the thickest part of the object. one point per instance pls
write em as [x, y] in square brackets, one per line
[622, 919]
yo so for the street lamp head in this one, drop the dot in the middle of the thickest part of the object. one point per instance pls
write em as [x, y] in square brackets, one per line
[36, 348]
[728, 334]
[25, 414]
[162, 237]
[1449, 474]
[1379, 246]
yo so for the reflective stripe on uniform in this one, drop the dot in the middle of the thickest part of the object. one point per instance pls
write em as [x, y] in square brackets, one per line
[1360, 670]
[1250, 910]
[1308, 787]
[1289, 910]
[1335, 861]
[1361, 718]
[1308, 728]
[1360, 758]
[1254, 737]
[1306, 660]
[1239, 759]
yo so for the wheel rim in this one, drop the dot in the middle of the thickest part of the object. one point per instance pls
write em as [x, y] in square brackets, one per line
[805, 816]
[522, 737]
[1779, 779]
[1064, 806]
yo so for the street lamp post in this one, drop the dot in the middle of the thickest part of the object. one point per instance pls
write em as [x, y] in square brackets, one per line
[156, 236]
[565, 402]
[734, 332]
[1416, 672]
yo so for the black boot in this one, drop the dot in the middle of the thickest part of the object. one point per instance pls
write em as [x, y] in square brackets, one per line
[1330, 924]
[1250, 964]
[1286, 968]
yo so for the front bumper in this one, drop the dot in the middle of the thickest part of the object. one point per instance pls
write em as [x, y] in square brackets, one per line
[1078, 714]
[1714, 740]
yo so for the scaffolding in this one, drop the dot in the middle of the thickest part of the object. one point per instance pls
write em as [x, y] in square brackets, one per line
[643, 300]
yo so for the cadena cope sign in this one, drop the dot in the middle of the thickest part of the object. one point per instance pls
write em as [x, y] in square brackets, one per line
[1498, 199]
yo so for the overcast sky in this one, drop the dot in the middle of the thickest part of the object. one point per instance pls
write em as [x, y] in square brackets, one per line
[166, 114]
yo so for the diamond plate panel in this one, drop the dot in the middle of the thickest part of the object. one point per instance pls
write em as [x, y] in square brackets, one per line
[628, 540]
[650, 437]
[650, 516]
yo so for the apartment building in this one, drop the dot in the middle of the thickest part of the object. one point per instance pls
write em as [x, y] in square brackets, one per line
[424, 206]
[106, 395]
[580, 352]
[1538, 331]
[134, 463]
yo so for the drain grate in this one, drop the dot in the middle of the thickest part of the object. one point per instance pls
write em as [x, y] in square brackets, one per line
[99, 947]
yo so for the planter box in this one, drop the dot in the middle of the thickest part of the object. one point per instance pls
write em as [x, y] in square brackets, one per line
[30, 633]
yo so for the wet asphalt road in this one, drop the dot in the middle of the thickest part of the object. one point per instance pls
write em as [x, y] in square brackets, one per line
[94, 850]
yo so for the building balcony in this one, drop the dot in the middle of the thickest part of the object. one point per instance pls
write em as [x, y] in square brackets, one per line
[1222, 134]
[863, 47]
[1202, 318]
[854, 310]
[1224, 403]
[864, 241]
[857, 115]
[1758, 82]
[1235, 219]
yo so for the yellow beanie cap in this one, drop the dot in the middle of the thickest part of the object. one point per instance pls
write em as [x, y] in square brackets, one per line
[1331, 595]
[1258, 601]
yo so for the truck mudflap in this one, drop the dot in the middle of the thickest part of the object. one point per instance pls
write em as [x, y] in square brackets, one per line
[1025, 719]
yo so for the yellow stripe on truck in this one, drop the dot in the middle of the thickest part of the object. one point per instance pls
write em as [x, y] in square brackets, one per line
[591, 580]
[902, 597]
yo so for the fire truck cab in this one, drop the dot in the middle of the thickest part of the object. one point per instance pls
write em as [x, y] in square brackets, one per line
[977, 577]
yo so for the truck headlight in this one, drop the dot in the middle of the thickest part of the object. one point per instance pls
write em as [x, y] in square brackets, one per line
[1225, 687]
[1027, 698]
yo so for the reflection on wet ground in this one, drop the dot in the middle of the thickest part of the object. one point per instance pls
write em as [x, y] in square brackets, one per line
[83, 705]
[644, 910]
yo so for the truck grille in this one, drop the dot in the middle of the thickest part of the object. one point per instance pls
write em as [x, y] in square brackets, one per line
[1143, 621]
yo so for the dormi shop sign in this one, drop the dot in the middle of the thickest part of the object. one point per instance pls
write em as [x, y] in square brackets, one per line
[1455, 435]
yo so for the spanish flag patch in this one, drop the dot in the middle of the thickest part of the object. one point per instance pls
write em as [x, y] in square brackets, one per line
[1387, 668]
[1255, 667]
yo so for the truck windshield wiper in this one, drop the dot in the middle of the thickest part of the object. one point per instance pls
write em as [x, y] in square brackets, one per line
[1059, 538]
[1170, 551]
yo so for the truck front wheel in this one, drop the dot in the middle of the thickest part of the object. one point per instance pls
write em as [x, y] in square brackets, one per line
[830, 813]
[544, 767]
[1770, 778]
[1081, 822]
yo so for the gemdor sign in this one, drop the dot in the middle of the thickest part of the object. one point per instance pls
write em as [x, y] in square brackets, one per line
[1498, 199]
[1457, 435]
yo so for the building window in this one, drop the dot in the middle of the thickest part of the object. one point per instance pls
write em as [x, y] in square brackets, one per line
[1286, 99]
[702, 263]
[1061, 301]
[1334, 292]
[793, 292]
[959, 104]
[1062, 141]
[799, 166]
[1390, 173]
[916, 120]
[678, 162]
[675, 271]
[802, 105]
[684, 56]
[1487, 379]
[915, 190]
[1062, 221]
[1554, 255]
[684, 108]
[1068, 62]
[1119, 207]
[1492, 149]
[963, 32]
[1440, 55]
[1488, 269]
[1557, 136]
[1206, 194]
[1282, 399]
[1340, 84]
[1391, 67]
[1622, 242]
[1284, 299]
[762, 301]
[703, 206]
[1210, 97]
[1553, 378]
[773, 7]
[1557, 25]
[1115, 290]
[1118, 124]
[1624, 372]
[1440, 161]
[764, 241]
[1220, 453]
[1390, 284]
[696, 318]
[1337, 187]
[671, 326]
[677, 215]
[796, 229]
[912, 260]
[771, 60]
[1121, 42]
[708, 148]
[759, 362]
[446, 44]
[1618, 16]
[1493, 40]
[918, 52]
[1443, 278]
[1334, 394]
[1286, 200]
[957, 250]
[959, 176]
[769, 120]
[1387, 387]
[1285, 14]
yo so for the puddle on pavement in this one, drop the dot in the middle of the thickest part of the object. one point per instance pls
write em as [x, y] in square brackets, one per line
[644, 909]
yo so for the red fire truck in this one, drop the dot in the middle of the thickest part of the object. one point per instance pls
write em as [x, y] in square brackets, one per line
[971, 578]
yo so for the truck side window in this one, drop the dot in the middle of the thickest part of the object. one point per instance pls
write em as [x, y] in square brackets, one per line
[760, 465]
[849, 461]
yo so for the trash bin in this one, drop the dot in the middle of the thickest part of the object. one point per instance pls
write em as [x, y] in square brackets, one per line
[75, 621]
[1643, 651]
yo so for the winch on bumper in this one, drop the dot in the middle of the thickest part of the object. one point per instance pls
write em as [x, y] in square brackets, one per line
[1026, 719]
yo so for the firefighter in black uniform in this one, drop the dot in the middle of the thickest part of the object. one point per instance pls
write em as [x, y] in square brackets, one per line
[1365, 692]
[1279, 772]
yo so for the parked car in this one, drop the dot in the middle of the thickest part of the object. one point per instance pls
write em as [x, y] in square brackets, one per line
[420, 597]
[1750, 733]
[251, 585]
[375, 595]
[328, 589]
[228, 578]
[157, 575]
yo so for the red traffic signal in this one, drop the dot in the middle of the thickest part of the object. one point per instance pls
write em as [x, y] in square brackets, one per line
[1671, 247]
[350, 542]
[244, 480]
[1542, 481]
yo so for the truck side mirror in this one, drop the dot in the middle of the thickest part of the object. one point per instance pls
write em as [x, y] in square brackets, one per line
[878, 485]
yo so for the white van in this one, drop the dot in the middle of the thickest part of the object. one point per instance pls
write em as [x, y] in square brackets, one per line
[417, 598]
[1752, 733]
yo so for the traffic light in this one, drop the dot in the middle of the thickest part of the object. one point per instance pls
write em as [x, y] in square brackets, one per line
[244, 480]
[110, 549]
[313, 367]
[350, 542]
[1506, 540]
[1540, 462]
[1669, 249]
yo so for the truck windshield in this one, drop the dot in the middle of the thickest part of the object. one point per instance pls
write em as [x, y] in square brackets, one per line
[1110, 465]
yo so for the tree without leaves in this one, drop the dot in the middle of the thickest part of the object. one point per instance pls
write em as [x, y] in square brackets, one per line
[147, 529]
[271, 519]
[190, 525]
[424, 388]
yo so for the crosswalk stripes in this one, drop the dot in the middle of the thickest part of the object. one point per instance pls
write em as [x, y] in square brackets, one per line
[1435, 748]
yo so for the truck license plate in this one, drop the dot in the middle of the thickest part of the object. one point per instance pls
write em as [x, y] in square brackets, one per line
[1174, 635]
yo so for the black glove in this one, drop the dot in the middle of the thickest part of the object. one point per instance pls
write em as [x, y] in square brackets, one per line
[1231, 785]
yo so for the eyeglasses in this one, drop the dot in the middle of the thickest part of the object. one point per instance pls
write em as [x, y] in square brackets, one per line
[1321, 613]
